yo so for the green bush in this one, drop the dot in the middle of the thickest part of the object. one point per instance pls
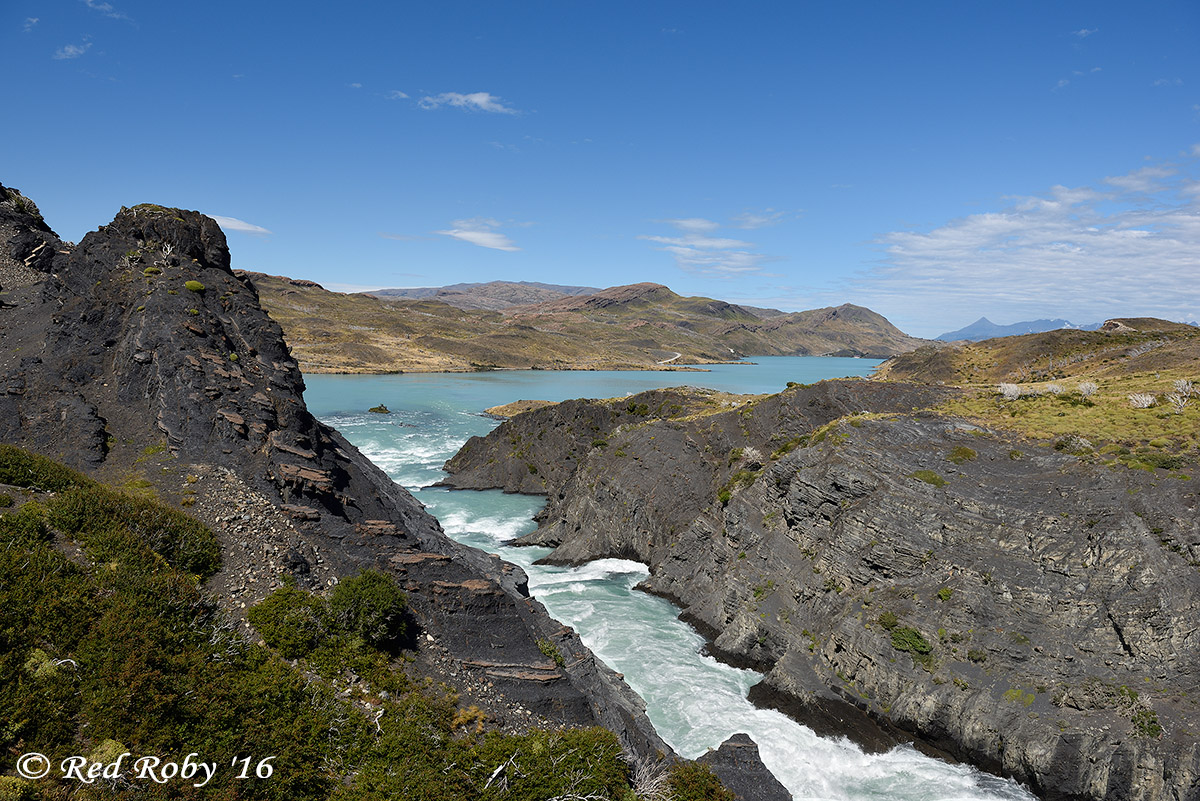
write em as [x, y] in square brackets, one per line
[910, 640]
[194, 286]
[692, 781]
[21, 468]
[6, 500]
[888, 620]
[371, 606]
[111, 523]
[289, 621]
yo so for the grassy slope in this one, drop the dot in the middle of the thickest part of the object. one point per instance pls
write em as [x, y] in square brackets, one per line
[333, 332]
[108, 644]
[1140, 355]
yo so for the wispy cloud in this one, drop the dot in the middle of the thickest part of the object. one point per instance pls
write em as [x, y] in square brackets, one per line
[29, 23]
[1079, 253]
[760, 219]
[395, 94]
[355, 85]
[234, 224]
[72, 51]
[105, 8]
[1168, 82]
[475, 101]
[1145, 180]
[1084, 33]
[695, 250]
[480, 231]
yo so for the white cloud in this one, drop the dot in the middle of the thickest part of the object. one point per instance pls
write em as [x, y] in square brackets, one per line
[696, 251]
[104, 8]
[1072, 252]
[1168, 82]
[234, 224]
[1084, 33]
[475, 101]
[1147, 179]
[395, 94]
[1196, 149]
[355, 85]
[29, 23]
[71, 51]
[694, 224]
[480, 231]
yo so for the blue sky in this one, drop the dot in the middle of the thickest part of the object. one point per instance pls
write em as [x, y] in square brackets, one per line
[933, 161]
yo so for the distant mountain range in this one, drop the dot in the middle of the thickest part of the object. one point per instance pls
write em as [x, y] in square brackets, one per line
[485, 326]
[983, 328]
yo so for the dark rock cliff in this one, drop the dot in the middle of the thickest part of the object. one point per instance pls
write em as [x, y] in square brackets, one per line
[141, 341]
[897, 573]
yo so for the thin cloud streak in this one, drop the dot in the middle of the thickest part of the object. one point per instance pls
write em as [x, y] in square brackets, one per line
[480, 231]
[695, 251]
[234, 224]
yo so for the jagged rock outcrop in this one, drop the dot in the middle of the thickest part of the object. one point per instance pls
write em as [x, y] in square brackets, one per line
[1001, 601]
[740, 768]
[141, 340]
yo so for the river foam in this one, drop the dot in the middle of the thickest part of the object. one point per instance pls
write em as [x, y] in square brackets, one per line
[694, 701]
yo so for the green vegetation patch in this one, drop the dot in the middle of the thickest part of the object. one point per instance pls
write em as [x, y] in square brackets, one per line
[118, 649]
[194, 286]
[962, 454]
[929, 477]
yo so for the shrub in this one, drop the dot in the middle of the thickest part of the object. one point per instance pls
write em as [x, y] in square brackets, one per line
[1054, 389]
[550, 650]
[151, 270]
[1142, 400]
[6, 500]
[1009, 391]
[945, 593]
[194, 286]
[888, 620]
[905, 638]
[693, 781]
[371, 606]
[1087, 388]
[21, 468]
[289, 621]
[1184, 387]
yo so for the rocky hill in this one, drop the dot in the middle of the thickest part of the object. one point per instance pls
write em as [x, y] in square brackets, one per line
[640, 326]
[141, 358]
[493, 295]
[1021, 604]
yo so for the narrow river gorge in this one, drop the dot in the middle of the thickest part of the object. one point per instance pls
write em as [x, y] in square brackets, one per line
[694, 701]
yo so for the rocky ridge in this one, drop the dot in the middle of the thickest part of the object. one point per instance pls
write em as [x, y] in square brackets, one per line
[139, 356]
[897, 573]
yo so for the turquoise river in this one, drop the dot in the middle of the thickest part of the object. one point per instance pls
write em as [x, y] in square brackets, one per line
[694, 701]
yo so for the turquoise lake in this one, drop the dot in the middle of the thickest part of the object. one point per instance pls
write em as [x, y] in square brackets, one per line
[694, 701]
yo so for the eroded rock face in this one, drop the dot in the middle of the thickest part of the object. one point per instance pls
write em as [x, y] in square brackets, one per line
[141, 341]
[1001, 601]
[741, 769]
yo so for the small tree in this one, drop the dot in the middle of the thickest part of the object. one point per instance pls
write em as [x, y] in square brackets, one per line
[1054, 389]
[1087, 389]
[1185, 388]
[1009, 391]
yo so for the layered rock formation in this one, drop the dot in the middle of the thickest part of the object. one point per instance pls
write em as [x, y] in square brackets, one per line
[897, 573]
[139, 355]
